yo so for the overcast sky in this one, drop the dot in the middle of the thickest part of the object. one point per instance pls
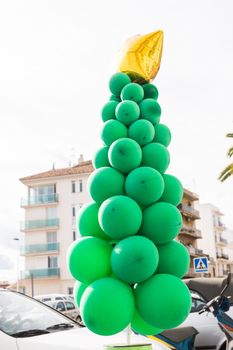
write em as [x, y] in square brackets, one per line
[56, 58]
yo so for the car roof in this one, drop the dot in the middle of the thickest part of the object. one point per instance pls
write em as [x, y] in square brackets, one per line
[50, 295]
[208, 288]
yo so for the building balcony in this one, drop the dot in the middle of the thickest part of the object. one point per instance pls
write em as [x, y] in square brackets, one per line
[39, 249]
[190, 195]
[222, 256]
[39, 224]
[189, 231]
[195, 251]
[189, 211]
[221, 241]
[39, 200]
[220, 227]
[40, 273]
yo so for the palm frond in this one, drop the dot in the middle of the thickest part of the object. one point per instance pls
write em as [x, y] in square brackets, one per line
[230, 152]
[228, 171]
[229, 135]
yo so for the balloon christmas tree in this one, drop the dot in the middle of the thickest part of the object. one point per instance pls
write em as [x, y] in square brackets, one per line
[127, 262]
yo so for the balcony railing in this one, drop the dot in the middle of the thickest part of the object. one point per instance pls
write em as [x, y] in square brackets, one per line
[220, 226]
[40, 273]
[185, 230]
[39, 200]
[37, 224]
[221, 240]
[195, 251]
[39, 248]
[222, 256]
[190, 211]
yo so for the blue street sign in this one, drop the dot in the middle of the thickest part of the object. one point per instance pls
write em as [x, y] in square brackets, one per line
[200, 264]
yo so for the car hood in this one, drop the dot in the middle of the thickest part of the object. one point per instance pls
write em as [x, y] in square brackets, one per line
[80, 339]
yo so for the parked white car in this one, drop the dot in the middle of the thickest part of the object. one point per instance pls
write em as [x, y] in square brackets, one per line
[53, 297]
[27, 324]
[66, 307]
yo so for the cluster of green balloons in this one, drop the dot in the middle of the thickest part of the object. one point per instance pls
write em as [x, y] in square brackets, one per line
[127, 264]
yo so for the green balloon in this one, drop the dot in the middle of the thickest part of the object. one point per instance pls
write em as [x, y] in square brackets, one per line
[150, 91]
[104, 183]
[150, 110]
[161, 222]
[133, 92]
[100, 158]
[173, 190]
[115, 98]
[117, 82]
[79, 289]
[156, 156]
[87, 221]
[120, 217]
[113, 130]
[174, 259]
[134, 259]
[163, 301]
[108, 110]
[162, 134]
[145, 185]
[107, 306]
[127, 112]
[125, 155]
[89, 259]
[140, 326]
[142, 131]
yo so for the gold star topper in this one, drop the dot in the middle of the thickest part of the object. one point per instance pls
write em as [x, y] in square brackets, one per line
[141, 56]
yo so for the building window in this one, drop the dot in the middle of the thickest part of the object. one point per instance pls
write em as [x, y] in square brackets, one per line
[73, 189]
[74, 235]
[73, 211]
[80, 185]
[70, 290]
[52, 262]
[42, 190]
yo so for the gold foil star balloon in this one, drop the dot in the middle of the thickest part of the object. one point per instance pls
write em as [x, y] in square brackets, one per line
[141, 56]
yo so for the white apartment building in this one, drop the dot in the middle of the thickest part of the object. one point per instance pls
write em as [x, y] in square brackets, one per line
[213, 241]
[53, 199]
[228, 235]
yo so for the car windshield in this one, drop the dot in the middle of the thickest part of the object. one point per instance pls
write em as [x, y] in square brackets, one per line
[19, 313]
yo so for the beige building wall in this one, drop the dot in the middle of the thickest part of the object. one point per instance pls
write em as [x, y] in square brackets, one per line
[190, 234]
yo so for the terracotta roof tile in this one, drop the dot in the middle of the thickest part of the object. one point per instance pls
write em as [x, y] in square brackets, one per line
[83, 168]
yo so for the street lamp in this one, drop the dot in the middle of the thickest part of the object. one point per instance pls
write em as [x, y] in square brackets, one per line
[17, 266]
